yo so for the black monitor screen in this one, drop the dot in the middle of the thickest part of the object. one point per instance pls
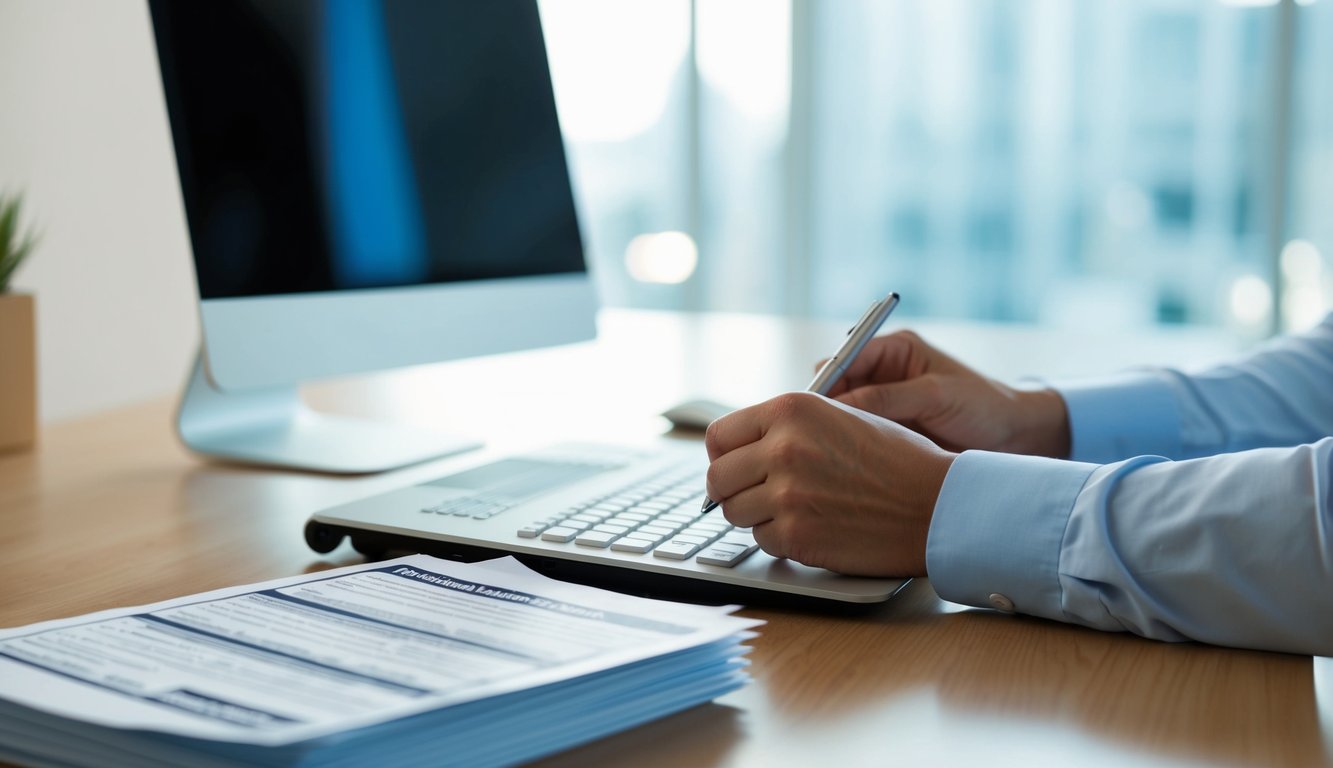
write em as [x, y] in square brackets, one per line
[334, 144]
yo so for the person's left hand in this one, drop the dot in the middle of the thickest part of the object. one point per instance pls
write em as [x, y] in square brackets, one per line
[827, 485]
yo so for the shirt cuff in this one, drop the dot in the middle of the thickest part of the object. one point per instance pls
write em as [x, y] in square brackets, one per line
[998, 528]
[1119, 417]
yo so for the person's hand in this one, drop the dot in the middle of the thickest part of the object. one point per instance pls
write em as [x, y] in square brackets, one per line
[904, 379]
[827, 485]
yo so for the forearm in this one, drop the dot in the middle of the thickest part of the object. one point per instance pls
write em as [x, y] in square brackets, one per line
[1234, 549]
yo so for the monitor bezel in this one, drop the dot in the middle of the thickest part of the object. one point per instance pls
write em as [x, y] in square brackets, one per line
[271, 341]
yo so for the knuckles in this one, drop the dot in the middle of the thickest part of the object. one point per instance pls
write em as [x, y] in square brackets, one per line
[781, 407]
[932, 389]
[795, 406]
[790, 453]
[912, 338]
[789, 498]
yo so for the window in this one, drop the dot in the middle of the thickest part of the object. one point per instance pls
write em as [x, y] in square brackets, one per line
[1123, 163]
[1306, 259]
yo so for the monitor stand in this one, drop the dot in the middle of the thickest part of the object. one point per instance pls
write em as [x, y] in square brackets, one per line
[273, 427]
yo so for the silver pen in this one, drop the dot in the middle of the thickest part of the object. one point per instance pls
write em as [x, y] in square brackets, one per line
[832, 370]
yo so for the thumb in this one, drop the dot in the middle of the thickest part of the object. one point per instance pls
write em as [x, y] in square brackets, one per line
[912, 400]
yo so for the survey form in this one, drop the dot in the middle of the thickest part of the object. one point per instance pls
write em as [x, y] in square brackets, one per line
[299, 658]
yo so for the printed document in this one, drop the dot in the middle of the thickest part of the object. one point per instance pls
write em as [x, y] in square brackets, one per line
[301, 658]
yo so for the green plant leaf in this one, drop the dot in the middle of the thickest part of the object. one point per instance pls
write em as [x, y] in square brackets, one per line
[13, 247]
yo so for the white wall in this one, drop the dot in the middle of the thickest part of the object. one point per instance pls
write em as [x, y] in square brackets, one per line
[84, 134]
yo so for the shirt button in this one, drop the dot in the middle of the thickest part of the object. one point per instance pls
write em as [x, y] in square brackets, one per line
[1001, 602]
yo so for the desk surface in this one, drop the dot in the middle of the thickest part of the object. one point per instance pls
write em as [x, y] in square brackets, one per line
[110, 511]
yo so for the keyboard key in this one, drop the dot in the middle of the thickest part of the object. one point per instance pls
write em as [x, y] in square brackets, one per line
[639, 516]
[630, 544]
[698, 540]
[676, 550]
[725, 555]
[587, 518]
[704, 537]
[678, 517]
[625, 520]
[599, 539]
[708, 525]
[577, 525]
[530, 531]
[559, 534]
[738, 536]
[649, 537]
[658, 530]
[608, 528]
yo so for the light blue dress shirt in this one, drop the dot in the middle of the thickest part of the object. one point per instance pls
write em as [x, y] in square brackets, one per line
[1197, 507]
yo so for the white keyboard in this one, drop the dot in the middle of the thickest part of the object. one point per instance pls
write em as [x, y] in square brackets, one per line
[658, 518]
[622, 516]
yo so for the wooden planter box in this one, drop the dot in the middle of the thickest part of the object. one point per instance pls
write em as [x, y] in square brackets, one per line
[18, 372]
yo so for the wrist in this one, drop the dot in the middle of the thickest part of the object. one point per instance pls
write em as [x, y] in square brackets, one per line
[1042, 425]
[936, 471]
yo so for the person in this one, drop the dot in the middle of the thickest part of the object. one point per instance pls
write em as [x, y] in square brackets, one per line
[1176, 506]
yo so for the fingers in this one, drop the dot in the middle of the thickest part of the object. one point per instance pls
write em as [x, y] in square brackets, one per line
[827, 485]
[749, 508]
[760, 508]
[775, 529]
[733, 453]
[736, 471]
[739, 456]
[913, 400]
[895, 357]
[735, 429]
[770, 539]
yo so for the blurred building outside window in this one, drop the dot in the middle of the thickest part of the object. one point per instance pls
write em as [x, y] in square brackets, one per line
[1117, 164]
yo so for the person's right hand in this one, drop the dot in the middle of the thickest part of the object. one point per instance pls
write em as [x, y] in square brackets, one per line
[904, 379]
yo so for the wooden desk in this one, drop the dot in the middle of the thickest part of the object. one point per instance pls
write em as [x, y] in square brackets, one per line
[110, 511]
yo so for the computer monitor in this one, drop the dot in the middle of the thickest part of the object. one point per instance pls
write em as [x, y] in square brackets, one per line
[368, 184]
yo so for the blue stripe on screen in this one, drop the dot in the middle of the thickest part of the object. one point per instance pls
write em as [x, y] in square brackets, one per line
[377, 230]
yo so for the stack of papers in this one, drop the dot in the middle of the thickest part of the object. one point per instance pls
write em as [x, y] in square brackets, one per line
[405, 662]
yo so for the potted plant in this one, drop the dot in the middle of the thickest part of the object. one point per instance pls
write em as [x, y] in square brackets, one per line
[18, 342]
